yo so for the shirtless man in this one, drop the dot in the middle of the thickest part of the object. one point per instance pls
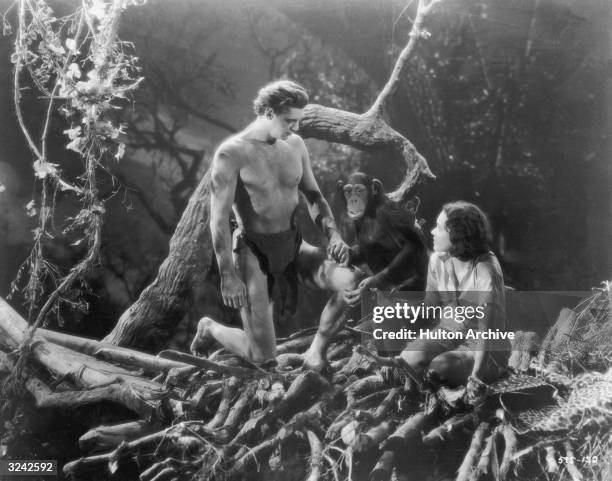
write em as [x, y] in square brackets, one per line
[258, 173]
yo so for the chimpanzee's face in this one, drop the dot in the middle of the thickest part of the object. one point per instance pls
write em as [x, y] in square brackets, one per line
[356, 197]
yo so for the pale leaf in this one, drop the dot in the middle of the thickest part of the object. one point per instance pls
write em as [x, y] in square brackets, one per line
[43, 168]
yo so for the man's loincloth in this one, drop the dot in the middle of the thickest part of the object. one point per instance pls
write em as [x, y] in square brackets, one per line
[277, 254]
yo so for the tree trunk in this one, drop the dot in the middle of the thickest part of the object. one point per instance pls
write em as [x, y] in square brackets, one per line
[148, 323]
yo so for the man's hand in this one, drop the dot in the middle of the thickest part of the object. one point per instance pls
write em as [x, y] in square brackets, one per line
[233, 290]
[338, 249]
[353, 297]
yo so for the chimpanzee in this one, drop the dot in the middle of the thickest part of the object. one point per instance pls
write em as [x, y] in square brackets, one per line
[389, 240]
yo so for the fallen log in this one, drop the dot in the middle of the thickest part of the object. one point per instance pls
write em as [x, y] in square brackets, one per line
[384, 467]
[227, 398]
[138, 394]
[370, 439]
[442, 433]
[367, 385]
[316, 456]
[299, 345]
[386, 406]
[236, 413]
[408, 435]
[552, 466]
[109, 437]
[471, 457]
[511, 443]
[117, 392]
[300, 395]
[572, 469]
[82, 466]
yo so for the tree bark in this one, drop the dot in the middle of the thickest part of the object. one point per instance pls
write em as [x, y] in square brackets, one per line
[148, 323]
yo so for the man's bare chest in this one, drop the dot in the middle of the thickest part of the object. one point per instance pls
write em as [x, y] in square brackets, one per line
[271, 167]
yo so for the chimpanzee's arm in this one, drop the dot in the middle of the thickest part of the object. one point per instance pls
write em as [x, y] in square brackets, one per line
[357, 256]
[403, 266]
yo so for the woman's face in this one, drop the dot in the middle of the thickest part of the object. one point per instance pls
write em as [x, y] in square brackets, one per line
[441, 237]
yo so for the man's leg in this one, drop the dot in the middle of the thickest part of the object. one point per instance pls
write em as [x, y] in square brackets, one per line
[257, 342]
[317, 271]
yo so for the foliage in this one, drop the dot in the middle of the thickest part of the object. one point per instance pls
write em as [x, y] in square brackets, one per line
[76, 64]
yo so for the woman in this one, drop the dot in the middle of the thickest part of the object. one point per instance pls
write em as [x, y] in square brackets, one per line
[462, 272]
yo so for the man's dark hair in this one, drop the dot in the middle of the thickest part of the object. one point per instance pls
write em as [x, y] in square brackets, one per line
[280, 96]
[469, 230]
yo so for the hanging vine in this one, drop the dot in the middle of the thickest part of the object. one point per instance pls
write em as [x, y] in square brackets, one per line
[76, 64]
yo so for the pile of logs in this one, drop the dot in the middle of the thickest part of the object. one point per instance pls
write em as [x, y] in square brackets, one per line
[222, 419]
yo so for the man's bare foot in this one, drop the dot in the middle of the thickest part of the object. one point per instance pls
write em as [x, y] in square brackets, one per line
[314, 362]
[203, 339]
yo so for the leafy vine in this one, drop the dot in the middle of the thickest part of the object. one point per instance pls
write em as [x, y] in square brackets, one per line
[82, 71]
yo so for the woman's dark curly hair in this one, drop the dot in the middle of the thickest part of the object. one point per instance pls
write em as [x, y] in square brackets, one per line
[469, 230]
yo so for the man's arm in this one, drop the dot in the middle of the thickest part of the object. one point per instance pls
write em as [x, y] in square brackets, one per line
[224, 176]
[318, 207]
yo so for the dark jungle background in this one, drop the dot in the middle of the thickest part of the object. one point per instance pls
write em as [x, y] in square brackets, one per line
[509, 101]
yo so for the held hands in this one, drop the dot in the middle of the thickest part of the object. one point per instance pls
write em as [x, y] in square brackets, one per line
[233, 290]
[337, 249]
[353, 297]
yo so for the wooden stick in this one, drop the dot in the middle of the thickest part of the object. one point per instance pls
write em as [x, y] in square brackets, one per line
[485, 458]
[387, 405]
[367, 385]
[83, 465]
[229, 392]
[109, 437]
[316, 456]
[408, 434]
[210, 365]
[295, 345]
[115, 392]
[384, 467]
[368, 440]
[230, 426]
[551, 460]
[572, 469]
[138, 360]
[465, 470]
[445, 431]
[509, 451]
[288, 360]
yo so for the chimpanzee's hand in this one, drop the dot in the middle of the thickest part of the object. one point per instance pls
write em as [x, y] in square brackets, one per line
[233, 290]
[338, 249]
[369, 283]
